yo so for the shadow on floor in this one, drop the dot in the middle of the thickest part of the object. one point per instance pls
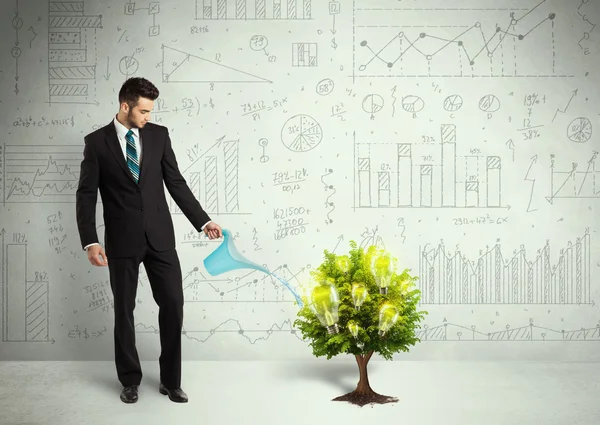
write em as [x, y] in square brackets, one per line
[341, 375]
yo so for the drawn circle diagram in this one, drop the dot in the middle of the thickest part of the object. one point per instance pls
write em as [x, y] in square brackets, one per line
[579, 130]
[453, 103]
[258, 42]
[128, 65]
[412, 103]
[489, 103]
[324, 87]
[372, 103]
[301, 133]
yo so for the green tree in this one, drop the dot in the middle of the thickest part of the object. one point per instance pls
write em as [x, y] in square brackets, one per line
[370, 297]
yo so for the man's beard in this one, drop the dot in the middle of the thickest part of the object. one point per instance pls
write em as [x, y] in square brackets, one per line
[130, 121]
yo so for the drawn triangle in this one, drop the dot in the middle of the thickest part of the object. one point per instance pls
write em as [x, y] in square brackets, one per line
[183, 67]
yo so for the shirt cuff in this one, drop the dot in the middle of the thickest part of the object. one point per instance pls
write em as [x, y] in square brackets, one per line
[209, 221]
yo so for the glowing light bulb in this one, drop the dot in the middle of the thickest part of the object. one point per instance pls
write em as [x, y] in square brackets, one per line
[359, 294]
[343, 263]
[388, 315]
[383, 267]
[324, 303]
[353, 328]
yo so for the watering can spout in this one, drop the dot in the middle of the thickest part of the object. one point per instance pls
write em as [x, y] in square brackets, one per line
[227, 258]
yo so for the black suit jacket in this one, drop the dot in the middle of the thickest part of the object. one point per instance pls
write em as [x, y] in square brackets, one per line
[132, 209]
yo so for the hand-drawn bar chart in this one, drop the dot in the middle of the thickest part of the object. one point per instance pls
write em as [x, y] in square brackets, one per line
[426, 175]
[253, 9]
[25, 303]
[450, 278]
[71, 58]
[214, 179]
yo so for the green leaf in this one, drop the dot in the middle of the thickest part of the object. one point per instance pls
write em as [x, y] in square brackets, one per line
[402, 293]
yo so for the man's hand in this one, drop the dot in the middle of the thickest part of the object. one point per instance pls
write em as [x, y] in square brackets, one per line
[97, 256]
[213, 230]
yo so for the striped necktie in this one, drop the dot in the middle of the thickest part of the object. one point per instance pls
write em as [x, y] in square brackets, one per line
[132, 159]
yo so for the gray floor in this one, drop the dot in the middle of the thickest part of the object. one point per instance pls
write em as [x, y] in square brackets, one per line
[289, 393]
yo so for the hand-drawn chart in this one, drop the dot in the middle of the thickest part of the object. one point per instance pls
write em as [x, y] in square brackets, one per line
[40, 173]
[580, 181]
[213, 178]
[526, 332]
[506, 40]
[446, 278]
[579, 130]
[71, 53]
[25, 302]
[182, 67]
[425, 175]
[301, 133]
[253, 9]
[304, 54]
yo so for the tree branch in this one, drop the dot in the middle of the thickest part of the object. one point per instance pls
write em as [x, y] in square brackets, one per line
[368, 357]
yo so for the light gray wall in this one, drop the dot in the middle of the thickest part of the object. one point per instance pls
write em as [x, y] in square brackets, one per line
[482, 178]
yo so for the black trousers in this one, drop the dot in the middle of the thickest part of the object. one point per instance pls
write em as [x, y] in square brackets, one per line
[164, 273]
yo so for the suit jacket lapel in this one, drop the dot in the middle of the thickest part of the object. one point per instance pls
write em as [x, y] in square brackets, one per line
[113, 143]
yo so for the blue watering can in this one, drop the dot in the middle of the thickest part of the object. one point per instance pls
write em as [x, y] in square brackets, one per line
[227, 258]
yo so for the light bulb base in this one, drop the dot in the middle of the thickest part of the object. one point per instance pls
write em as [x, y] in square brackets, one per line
[383, 290]
[333, 329]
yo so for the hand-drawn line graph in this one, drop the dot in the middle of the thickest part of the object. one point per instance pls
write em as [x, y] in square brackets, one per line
[389, 175]
[578, 182]
[213, 177]
[40, 173]
[182, 67]
[502, 42]
[71, 53]
[228, 326]
[245, 287]
[253, 10]
[446, 278]
[25, 303]
[530, 332]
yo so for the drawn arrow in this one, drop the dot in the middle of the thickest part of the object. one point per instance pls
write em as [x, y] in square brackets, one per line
[511, 146]
[533, 161]
[562, 111]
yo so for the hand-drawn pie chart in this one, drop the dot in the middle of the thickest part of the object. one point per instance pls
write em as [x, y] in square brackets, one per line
[579, 130]
[372, 103]
[301, 133]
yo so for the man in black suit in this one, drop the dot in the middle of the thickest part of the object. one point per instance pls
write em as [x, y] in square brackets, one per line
[128, 160]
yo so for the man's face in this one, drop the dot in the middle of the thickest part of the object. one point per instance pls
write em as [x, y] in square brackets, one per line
[139, 115]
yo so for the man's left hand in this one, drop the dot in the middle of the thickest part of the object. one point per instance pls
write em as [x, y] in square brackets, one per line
[213, 230]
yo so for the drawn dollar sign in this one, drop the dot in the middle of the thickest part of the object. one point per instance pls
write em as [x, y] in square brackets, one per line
[333, 43]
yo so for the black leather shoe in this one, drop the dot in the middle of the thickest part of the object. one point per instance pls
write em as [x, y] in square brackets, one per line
[129, 394]
[177, 395]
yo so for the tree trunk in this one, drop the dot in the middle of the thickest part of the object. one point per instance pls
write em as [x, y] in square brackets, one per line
[364, 394]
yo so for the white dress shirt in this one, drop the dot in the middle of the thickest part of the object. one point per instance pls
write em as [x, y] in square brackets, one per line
[121, 132]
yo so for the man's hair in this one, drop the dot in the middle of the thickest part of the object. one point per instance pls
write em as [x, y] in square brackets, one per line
[137, 87]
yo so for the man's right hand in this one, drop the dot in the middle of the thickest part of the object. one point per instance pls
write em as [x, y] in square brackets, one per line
[97, 256]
